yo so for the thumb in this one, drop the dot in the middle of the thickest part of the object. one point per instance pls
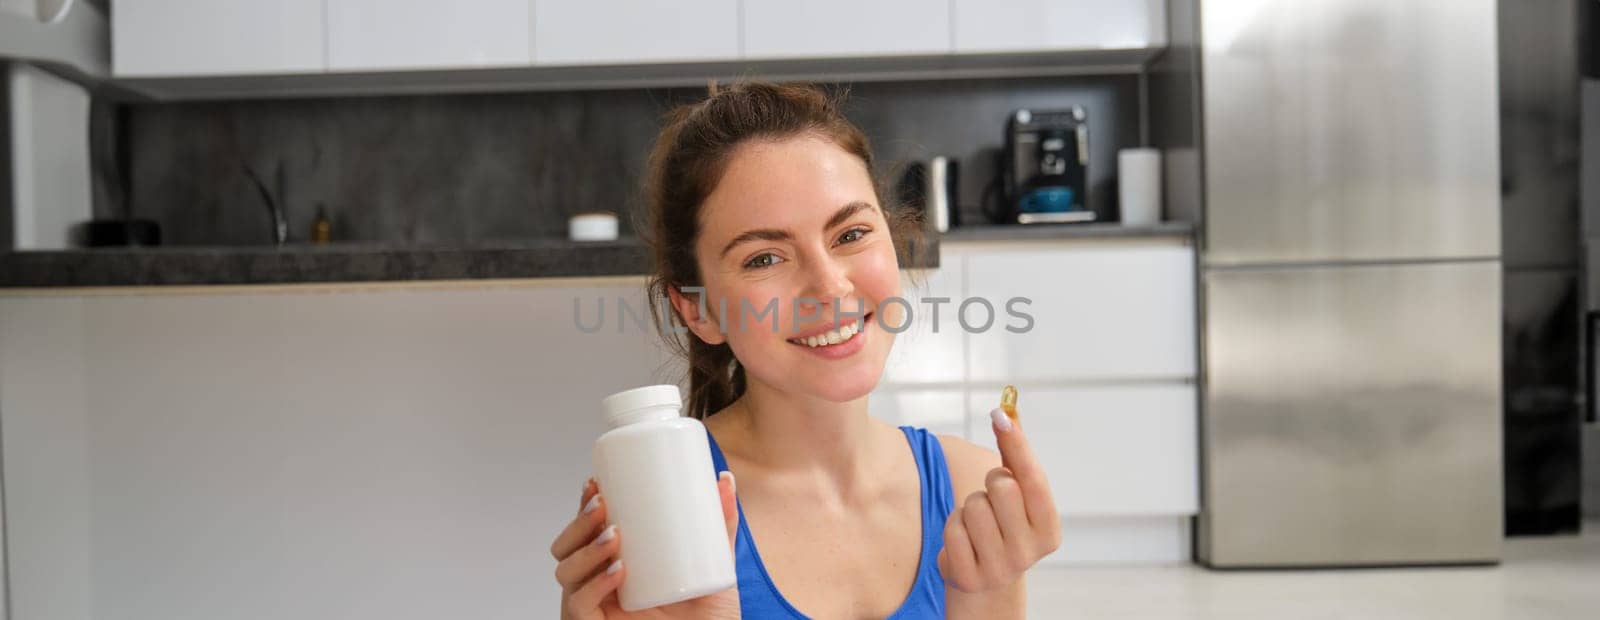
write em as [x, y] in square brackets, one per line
[726, 487]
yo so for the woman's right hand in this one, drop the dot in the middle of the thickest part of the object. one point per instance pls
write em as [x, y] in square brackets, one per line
[589, 572]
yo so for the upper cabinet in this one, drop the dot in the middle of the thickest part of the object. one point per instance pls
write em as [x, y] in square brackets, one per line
[834, 28]
[572, 32]
[317, 43]
[372, 35]
[159, 38]
[1034, 25]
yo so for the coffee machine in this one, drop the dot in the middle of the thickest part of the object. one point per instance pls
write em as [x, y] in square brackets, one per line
[1044, 168]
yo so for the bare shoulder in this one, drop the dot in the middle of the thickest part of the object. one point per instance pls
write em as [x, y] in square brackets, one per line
[969, 463]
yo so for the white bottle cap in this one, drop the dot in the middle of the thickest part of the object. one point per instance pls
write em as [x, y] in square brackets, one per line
[640, 404]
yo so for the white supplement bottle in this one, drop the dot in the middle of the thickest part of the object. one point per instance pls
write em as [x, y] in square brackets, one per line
[660, 488]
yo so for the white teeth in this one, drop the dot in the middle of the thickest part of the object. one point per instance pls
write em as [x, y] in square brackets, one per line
[836, 336]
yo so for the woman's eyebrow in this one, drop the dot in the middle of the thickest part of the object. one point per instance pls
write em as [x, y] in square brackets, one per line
[844, 213]
[760, 234]
[772, 234]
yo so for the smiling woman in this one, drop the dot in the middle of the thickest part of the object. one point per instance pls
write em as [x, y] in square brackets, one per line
[694, 157]
[762, 196]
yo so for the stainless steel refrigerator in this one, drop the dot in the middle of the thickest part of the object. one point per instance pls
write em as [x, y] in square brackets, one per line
[1351, 282]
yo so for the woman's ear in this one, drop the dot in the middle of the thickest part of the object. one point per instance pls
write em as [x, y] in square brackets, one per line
[692, 309]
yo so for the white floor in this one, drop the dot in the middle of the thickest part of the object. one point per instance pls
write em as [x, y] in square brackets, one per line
[1539, 578]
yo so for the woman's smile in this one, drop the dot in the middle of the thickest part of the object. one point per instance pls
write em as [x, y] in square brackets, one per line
[839, 341]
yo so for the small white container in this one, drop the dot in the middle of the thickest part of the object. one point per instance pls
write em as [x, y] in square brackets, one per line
[1139, 186]
[654, 469]
[598, 226]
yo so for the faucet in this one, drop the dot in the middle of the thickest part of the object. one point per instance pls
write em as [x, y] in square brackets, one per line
[280, 225]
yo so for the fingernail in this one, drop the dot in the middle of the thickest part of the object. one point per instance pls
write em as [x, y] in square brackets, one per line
[1001, 422]
[606, 536]
[733, 485]
[614, 567]
[593, 505]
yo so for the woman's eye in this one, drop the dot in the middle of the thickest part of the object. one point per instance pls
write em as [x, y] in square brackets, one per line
[761, 261]
[852, 235]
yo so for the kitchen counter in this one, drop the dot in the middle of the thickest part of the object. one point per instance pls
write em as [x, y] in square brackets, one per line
[391, 262]
[340, 262]
[334, 263]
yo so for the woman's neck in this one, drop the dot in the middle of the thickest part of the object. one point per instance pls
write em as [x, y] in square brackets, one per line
[809, 437]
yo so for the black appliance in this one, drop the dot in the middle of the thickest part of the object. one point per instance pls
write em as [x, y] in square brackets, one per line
[1044, 168]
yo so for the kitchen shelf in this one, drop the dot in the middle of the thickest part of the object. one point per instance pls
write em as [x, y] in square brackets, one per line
[1047, 232]
[656, 75]
[334, 263]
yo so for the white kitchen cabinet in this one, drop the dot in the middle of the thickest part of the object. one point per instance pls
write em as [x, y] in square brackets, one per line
[370, 35]
[1111, 450]
[161, 38]
[577, 32]
[1106, 311]
[1035, 25]
[404, 453]
[834, 28]
[929, 351]
[1107, 375]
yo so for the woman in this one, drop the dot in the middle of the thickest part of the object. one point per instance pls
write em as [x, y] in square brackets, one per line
[776, 251]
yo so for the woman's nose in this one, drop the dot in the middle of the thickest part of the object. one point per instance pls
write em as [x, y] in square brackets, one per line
[830, 281]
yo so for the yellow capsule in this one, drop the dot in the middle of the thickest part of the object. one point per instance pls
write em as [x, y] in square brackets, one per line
[1008, 401]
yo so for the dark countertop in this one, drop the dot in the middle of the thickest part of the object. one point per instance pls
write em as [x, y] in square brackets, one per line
[340, 262]
[1046, 232]
[388, 262]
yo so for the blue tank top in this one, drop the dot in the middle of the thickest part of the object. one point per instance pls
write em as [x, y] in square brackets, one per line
[759, 597]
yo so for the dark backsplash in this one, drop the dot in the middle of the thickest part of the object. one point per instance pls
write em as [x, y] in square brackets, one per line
[469, 168]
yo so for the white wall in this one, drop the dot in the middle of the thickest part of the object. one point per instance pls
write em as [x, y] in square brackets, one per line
[367, 454]
[50, 157]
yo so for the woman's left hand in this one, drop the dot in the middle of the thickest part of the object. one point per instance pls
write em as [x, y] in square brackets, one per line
[1000, 532]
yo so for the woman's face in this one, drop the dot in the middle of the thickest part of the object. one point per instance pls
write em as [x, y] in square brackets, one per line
[794, 244]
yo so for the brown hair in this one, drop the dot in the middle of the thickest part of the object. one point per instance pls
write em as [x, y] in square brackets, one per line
[689, 159]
